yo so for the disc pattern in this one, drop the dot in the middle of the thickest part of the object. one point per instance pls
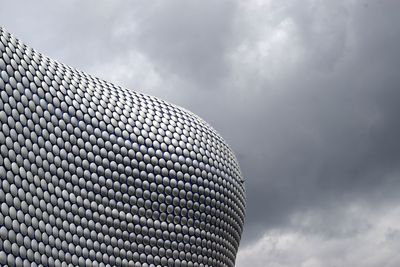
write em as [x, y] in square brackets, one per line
[92, 174]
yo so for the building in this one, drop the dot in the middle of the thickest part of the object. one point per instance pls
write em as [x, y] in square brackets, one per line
[93, 174]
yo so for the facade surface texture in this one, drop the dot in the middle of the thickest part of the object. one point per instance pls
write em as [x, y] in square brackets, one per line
[92, 174]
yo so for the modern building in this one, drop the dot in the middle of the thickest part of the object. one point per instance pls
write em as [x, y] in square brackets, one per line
[92, 174]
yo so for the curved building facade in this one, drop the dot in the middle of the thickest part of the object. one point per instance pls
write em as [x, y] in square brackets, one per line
[92, 174]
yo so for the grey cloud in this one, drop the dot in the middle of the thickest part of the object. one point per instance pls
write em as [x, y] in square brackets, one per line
[325, 134]
[188, 39]
[182, 39]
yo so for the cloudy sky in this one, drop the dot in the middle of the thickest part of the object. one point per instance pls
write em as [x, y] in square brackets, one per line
[307, 93]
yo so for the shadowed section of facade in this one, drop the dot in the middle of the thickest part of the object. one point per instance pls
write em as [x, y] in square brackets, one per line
[92, 174]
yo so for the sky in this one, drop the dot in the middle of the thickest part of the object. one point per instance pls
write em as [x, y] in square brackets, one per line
[306, 93]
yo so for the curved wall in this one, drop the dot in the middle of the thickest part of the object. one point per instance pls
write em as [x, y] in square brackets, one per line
[92, 174]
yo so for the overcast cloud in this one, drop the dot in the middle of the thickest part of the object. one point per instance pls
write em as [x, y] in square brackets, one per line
[307, 93]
